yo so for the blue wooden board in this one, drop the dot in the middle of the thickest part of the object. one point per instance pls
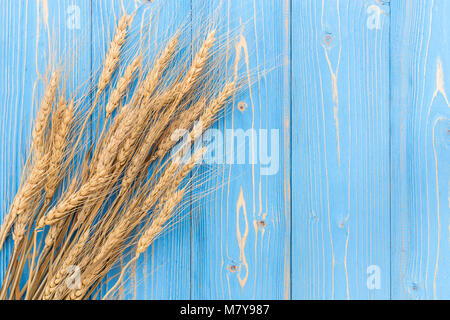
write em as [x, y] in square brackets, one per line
[340, 151]
[420, 77]
[241, 237]
[356, 96]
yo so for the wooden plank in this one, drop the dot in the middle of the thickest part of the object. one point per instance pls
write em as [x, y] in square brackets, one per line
[240, 232]
[340, 150]
[33, 35]
[167, 263]
[163, 272]
[420, 149]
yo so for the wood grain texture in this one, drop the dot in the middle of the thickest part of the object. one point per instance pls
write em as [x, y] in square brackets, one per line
[420, 76]
[240, 236]
[340, 150]
[358, 93]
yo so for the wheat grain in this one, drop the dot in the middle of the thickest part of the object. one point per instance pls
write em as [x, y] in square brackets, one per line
[198, 65]
[152, 79]
[52, 285]
[134, 215]
[113, 55]
[58, 148]
[108, 155]
[169, 180]
[43, 115]
[171, 201]
[144, 92]
[30, 189]
[209, 116]
[158, 223]
[74, 200]
[100, 179]
[184, 121]
[122, 85]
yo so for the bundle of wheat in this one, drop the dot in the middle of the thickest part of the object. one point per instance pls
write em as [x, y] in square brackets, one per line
[86, 201]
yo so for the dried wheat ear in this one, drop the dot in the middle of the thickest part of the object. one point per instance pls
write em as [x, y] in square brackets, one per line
[85, 200]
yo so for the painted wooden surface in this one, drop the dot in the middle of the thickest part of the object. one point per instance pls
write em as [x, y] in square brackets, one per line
[340, 150]
[241, 232]
[420, 64]
[357, 91]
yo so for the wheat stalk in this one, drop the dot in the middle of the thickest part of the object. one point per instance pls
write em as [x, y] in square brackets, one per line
[35, 180]
[59, 146]
[158, 223]
[59, 277]
[100, 179]
[198, 65]
[194, 72]
[144, 93]
[113, 55]
[122, 85]
[152, 79]
[174, 197]
[24, 198]
[184, 122]
[43, 115]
